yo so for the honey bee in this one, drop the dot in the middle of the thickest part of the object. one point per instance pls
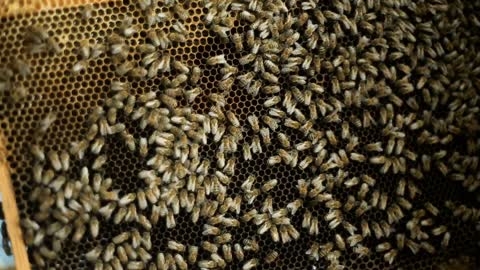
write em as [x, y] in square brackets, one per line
[146, 48]
[142, 200]
[277, 113]
[226, 84]
[252, 263]
[229, 168]
[254, 88]
[37, 173]
[181, 263]
[85, 49]
[120, 238]
[176, 246]
[362, 208]
[272, 67]
[413, 190]
[45, 123]
[256, 146]
[148, 59]
[210, 247]
[159, 39]
[251, 195]
[293, 233]
[375, 198]
[354, 239]
[247, 59]
[129, 251]
[439, 230]
[54, 159]
[223, 238]
[313, 251]
[218, 260]
[271, 256]
[349, 204]
[368, 180]
[121, 254]
[313, 228]
[134, 265]
[129, 140]
[265, 134]
[374, 147]
[385, 246]
[144, 255]
[272, 123]
[254, 123]
[36, 34]
[87, 12]
[401, 187]
[53, 45]
[383, 201]
[245, 79]
[247, 16]
[387, 229]
[271, 89]
[37, 152]
[108, 252]
[131, 213]
[217, 60]
[362, 192]
[237, 39]
[207, 264]
[21, 67]
[181, 12]
[272, 101]
[147, 240]
[377, 230]
[302, 187]
[427, 247]
[228, 71]
[431, 208]
[94, 254]
[127, 199]
[404, 203]
[247, 154]
[138, 72]
[233, 119]
[357, 157]
[127, 29]
[305, 162]
[445, 240]
[331, 137]
[122, 69]
[230, 222]
[413, 246]
[99, 162]
[390, 256]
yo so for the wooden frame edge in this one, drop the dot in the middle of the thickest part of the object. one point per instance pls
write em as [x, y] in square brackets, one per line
[10, 210]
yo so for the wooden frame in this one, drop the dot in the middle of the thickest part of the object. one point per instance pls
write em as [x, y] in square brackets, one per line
[11, 8]
[14, 7]
[10, 210]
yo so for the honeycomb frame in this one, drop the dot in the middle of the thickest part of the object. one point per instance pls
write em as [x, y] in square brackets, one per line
[72, 97]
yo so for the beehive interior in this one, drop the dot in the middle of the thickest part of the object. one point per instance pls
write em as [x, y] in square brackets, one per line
[53, 88]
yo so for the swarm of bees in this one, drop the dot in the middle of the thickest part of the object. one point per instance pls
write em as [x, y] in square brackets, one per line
[406, 74]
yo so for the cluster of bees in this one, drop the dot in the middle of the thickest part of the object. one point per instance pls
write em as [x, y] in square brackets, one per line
[404, 74]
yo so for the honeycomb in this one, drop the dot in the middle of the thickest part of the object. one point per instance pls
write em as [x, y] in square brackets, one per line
[73, 97]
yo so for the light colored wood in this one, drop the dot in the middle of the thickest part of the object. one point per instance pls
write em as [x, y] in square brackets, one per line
[12, 8]
[11, 212]
[15, 7]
